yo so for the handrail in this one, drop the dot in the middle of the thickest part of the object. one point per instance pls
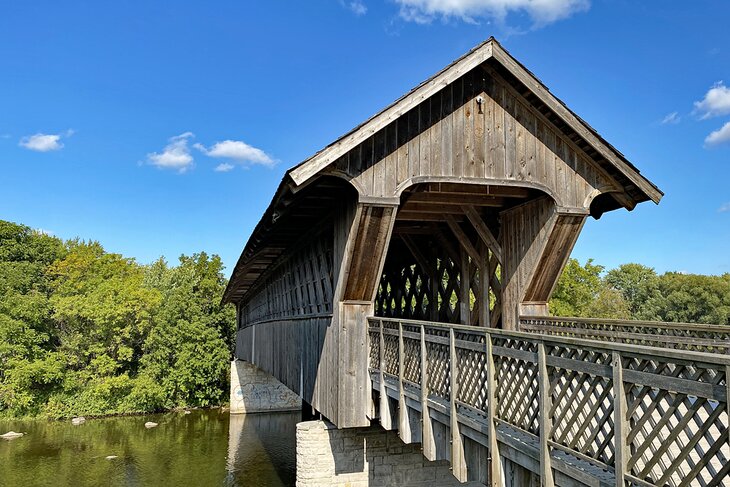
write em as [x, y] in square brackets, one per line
[684, 336]
[651, 415]
[637, 323]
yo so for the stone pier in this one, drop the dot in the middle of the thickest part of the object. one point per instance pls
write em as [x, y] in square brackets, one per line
[255, 391]
[364, 457]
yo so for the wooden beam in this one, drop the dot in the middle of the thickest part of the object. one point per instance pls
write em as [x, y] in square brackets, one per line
[421, 259]
[545, 421]
[446, 244]
[368, 252]
[430, 207]
[428, 441]
[620, 422]
[456, 199]
[458, 462]
[495, 460]
[483, 230]
[484, 276]
[462, 238]
[404, 423]
[465, 289]
[478, 190]
[423, 217]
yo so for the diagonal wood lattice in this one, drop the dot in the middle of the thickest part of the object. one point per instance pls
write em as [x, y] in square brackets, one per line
[412, 288]
[673, 405]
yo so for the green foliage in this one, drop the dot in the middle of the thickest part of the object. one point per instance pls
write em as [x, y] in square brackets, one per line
[187, 351]
[577, 288]
[86, 332]
[634, 291]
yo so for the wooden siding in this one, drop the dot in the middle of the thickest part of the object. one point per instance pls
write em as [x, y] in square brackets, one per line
[299, 285]
[286, 321]
[477, 130]
[536, 242]
[291, 351]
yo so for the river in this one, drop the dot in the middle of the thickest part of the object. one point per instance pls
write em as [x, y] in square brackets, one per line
[202, 448]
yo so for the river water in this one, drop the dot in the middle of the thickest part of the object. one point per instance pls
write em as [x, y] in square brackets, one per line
[203, 448]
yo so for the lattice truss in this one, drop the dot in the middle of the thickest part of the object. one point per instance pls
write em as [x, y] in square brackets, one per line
[428, 286]
[582, 404]
[676, 409]
[517, 385]
[471, 361]
[299, 285]
[677, 438]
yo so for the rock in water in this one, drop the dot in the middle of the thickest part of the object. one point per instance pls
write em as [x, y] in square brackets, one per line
[11, 435]
[150, 424]
[78, 421]
[111, 457]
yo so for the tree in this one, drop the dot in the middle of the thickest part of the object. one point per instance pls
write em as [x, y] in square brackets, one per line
[693, 298]
[188, 349]
[29, 369]
[577, 287]
[638, 284]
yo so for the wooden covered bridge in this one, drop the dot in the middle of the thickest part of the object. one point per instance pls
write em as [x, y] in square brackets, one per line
[401, 275]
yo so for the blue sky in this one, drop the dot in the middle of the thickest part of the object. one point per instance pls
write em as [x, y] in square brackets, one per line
[160, 128]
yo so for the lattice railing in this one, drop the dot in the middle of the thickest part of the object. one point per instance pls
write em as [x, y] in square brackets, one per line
[650, 416]
[681, 336]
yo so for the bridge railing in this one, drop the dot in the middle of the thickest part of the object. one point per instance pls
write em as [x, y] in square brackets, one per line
[650, 416]
[681, 336]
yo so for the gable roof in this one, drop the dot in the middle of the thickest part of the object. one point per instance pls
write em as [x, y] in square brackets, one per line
[276, 230]
[488, 50]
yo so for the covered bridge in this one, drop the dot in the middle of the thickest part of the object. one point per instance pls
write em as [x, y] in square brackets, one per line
[459, 204]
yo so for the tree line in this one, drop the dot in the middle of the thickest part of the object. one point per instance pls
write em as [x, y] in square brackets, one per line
[635, 291]
[88, 332]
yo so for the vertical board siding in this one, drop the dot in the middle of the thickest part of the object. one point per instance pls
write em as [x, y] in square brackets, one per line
[452, 135]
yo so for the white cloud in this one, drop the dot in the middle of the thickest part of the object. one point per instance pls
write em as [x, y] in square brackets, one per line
[356, 6]
[716, 102]
[238, 151]
[42, 142]
[719, 136]
[224, 167]
[176, 154]
[724, 208]
[672, 118]
[541, 12]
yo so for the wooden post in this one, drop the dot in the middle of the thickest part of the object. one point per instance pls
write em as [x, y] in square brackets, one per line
[435, 283]
[495, 462]
[727, 395]
[386, 421]
[428, 442]
[620, 423]
[404, 425]
[484, 287]
[465, 289]
[546, 470]
[458, 463]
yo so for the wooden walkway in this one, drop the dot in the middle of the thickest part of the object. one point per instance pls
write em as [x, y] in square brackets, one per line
[572, 410]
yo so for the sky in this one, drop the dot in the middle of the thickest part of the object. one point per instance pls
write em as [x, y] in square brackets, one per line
[162, 128]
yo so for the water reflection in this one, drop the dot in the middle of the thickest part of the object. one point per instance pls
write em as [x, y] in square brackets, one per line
[204, 448]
